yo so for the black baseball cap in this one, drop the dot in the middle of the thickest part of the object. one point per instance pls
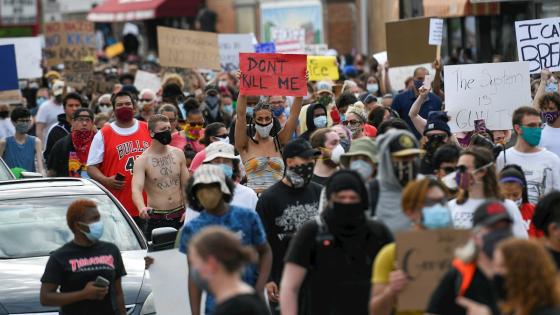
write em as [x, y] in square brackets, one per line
[300, 148]
[404, 145]
[490, 213]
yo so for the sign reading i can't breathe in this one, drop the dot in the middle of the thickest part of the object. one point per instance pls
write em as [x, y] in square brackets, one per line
[273, 74]
[538, 42]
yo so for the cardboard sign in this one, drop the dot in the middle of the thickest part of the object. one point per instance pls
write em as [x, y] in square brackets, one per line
[538, 42]
[425, 256]
[28, 56]
[69, 41]
[436, 32]
[322, 68]
[273, 74]
[147, 80]
[114, 50]
[288, 40]
[407, 44]
[489, 91]
[170, 289]
[230, 47]
[188, 49]
[78, 73]
[265, 48]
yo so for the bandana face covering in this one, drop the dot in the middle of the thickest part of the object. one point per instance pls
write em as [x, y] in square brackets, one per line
[193, 133]
[81, 139]
[405, 171]
[550, 117]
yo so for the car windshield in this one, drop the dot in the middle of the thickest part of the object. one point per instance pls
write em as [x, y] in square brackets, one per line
[36, 226]
[5, 172]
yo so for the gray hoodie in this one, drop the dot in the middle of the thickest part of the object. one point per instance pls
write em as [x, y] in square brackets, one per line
[389, 210]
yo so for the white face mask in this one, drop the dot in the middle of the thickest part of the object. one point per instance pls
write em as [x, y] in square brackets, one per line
[224, 140]
[263, 131]
[336, 153]
[518, 202]
[105, 109]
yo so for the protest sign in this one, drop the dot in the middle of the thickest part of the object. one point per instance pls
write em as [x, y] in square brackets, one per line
[288, 40]
[114, 50]
[188, 49]
[266, 48]
[9, 87]
[381, 57]
[273, 74]
[407, 42]
[28, 56]
[538, 42]
[78, 73]
[147, 80]
[436, 32]
[425, 256]
[230, 47]
[322, 68]
[170, 289]
[398, 75]
[316, 49]
[70, 40]
[490, 91]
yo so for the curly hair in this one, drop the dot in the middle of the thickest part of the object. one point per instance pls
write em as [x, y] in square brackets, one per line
[550, 98]
[531, 280]
[482, 157]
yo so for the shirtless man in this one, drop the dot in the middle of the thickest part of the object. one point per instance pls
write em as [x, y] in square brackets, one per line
[161, 172]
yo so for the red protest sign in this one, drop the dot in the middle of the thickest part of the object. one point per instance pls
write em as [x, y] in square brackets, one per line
[273, 74]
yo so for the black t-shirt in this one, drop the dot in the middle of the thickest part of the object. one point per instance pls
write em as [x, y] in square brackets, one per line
[442, 301]
[337, 282]
[72, 266]
[243, 304]
[283, 210]
[556, 256]
[59, 156]
[319, 180]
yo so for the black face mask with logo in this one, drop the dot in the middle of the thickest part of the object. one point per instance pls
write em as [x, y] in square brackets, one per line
[300, 175]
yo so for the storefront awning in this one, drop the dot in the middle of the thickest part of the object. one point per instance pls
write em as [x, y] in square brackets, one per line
[455, 8]
[133, 10]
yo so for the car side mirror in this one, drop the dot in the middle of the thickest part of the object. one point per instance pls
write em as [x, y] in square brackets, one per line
[162, 238]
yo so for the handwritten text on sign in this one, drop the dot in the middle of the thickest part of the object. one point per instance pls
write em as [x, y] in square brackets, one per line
[538, 42]
[489, 91]
[322, 68]
[273, 74]
[70, 40]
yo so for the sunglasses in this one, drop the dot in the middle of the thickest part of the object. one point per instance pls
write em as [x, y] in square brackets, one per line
[104, 104]
[195, 124]
[432, 202]
[146, 100]
[222, 136]
[448, 170]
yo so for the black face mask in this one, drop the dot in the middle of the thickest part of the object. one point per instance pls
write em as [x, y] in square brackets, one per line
[212, 101]
[163, 137]
[346, 216]
[300, 175]
[405, 171]
[499, 284]
[4, 114]
[434, 142]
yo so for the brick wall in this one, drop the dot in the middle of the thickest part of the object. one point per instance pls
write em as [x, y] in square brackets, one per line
[342, 26]
[226, 15]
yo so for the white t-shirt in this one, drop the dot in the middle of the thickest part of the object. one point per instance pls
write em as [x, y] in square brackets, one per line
[462, 215]
[6, 128]
[97, 148]
[542, 170]
[48, 115]
[549, 139]
[243, 197]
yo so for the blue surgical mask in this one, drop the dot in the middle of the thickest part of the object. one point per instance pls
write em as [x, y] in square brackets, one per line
[249, 111]
[363, 168]
[436, 217]
[342, 117]
[228, 170]
[320, 121]
[372, 87]
[531, 135]
[278, 112]
[40, 101]
[228, 109]
[95, 231]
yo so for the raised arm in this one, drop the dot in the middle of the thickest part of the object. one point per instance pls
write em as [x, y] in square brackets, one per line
[241, 139]
[545, 76]
[414, 113]
[436, 84]
[385, 82]
[286, 133]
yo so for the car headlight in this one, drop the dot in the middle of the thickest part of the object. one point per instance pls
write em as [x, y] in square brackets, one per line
[149, 308]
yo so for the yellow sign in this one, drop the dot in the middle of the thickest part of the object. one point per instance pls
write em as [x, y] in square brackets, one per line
[322, 68]
[114, 50]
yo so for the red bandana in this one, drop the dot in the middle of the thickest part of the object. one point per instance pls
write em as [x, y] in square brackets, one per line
[81, 139]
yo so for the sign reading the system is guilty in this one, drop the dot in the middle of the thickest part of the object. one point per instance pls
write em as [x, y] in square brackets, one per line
[273, 74]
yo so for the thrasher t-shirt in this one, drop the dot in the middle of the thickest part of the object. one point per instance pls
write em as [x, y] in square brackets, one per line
[283, 210]
[72, 266]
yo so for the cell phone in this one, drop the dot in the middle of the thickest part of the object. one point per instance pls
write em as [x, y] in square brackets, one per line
[480, 125]
[101, 282]
[119, 176]
[551, 87]
[428, 79]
